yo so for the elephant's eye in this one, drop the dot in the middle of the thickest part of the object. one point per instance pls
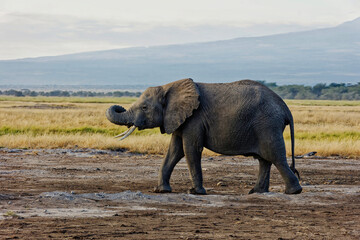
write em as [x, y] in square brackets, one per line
[144, 108]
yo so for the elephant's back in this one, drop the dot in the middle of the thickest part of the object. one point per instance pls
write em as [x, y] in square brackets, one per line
[240, 95]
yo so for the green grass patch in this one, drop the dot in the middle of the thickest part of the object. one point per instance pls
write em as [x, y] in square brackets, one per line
[322, 103]
[11, 214]
[35, 131]
[321, 136]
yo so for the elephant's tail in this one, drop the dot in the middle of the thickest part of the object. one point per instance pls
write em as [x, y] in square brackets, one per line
[292, 166]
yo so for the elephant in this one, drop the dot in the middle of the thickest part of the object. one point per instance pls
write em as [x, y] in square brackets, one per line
[238, 118]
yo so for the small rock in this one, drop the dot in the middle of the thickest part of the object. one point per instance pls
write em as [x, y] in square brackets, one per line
[305, 183]
[221, 184]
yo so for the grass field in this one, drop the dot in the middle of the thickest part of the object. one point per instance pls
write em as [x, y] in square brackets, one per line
[328, 127]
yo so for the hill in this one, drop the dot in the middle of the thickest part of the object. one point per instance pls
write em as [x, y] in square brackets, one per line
[309, 57]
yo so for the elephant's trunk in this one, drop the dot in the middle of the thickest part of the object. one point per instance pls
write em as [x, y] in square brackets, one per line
[118, 115]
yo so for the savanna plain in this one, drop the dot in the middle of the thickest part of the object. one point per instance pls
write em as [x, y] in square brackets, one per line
[63, 175]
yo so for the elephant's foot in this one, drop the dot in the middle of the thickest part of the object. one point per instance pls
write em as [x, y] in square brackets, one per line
[198, 191]
[293, 190]
[163, 189]
[258, 190]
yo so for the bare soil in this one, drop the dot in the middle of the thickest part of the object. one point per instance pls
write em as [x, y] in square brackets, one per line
[90, 194]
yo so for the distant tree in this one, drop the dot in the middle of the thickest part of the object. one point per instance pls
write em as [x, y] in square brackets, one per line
[65, 94]
[13, 92]
[19, 94]
[56, 93]
[334, 85]
[318, 88]
[118, 94]
[25, 92]
[33, 94]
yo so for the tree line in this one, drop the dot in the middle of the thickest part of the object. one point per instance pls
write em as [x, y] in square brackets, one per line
[62, 93]
[333, 91]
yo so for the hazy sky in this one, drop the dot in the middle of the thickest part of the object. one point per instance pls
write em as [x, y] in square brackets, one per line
[31, 28]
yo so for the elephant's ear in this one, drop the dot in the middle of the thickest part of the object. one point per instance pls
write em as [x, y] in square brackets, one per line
[181, 99]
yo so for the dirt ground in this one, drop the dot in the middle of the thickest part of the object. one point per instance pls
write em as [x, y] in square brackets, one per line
[91, 194]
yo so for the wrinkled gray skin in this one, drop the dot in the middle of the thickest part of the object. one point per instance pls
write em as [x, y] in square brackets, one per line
[239, 118]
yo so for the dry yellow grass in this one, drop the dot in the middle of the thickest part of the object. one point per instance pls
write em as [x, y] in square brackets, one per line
[328, 127]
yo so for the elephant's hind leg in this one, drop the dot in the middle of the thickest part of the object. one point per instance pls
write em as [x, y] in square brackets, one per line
[263, 180]
[274, 151]
[292, 185]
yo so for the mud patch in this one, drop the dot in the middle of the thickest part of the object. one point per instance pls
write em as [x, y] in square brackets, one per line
[139, 197]
[95, 194]
[6, 197]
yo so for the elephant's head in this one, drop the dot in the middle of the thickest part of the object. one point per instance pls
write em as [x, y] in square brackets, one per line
[165, 106]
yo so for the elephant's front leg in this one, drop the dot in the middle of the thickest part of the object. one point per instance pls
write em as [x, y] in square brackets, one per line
[173, 156]
[193, 158]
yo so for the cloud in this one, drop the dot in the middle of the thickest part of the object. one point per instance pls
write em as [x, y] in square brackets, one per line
[31, 35]
[38, 35]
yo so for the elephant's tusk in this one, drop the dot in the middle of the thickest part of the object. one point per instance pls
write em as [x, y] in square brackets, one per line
[123, 133]
[127, 133]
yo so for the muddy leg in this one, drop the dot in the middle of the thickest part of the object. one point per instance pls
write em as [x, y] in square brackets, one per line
[263, 180]
[275, 152]
[292, 185]
[193, 159]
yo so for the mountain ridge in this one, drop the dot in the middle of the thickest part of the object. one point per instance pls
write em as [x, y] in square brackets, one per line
[321, 55]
